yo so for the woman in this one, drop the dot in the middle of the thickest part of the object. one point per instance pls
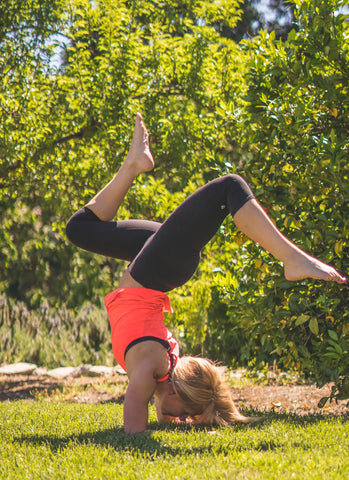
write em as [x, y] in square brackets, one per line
[163, 257]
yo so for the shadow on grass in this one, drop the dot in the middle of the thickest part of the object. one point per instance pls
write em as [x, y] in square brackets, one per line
[27, 389]
[146, 442]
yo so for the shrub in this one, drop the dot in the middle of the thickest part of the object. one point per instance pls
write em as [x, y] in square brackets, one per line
[54, 337]
[294, 139]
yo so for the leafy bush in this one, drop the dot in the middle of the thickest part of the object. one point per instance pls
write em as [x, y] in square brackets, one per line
[294, 137]
[54, 337]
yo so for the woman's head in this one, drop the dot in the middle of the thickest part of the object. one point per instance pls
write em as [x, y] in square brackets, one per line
[198, 382]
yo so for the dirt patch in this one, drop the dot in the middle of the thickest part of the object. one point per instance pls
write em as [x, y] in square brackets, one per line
[73, 390]
[297, 399]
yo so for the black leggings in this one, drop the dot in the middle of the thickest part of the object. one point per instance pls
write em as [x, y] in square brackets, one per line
[163, 256]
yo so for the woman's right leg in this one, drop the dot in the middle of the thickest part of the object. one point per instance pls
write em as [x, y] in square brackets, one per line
[139, 159]
[91, 227]
[122, 239]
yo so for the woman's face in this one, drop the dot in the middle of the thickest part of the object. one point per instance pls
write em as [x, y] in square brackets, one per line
[173, 406]
[169, 404]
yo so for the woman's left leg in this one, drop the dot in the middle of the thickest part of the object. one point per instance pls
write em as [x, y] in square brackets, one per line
[252, 220]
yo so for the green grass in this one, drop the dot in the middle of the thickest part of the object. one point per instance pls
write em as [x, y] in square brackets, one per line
[47, 440]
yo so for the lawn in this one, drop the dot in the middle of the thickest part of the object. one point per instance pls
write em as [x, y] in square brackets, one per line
[50, 440]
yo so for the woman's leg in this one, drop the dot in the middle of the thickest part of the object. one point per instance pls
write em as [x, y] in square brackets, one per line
[91, 227]
[171, 256]
[139, 159]
[252, 220]
[122, 239]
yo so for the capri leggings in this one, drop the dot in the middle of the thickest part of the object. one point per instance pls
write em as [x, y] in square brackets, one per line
[163, 256]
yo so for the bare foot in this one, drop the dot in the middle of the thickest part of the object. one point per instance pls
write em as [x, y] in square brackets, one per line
[308, 267]
[139, 156]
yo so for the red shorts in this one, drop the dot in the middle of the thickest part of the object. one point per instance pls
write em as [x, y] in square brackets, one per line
[136, 314]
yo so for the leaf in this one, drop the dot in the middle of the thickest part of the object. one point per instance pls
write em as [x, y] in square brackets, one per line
[338, 349]
[322, 402]
[302, 319]
[338, 248]
[284, 284]
[334, 112]
[331, 355]
[314, 326]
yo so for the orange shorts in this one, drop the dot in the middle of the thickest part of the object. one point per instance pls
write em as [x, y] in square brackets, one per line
[136, 314]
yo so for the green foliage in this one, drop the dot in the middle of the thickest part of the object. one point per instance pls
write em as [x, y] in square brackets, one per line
[54, 337]
[294, 133]
[65, 128]
[191, 305]
[38, 265]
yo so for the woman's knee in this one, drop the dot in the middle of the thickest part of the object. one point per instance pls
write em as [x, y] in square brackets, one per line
[233, 179]
[238, 192]
[72, 230]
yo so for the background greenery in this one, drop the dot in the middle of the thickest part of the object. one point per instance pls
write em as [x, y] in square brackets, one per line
[272, 107]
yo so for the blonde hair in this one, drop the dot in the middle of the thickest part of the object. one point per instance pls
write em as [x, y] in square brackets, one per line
[199, 383]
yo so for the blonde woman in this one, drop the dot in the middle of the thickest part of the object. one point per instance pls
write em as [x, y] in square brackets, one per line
[163, 257]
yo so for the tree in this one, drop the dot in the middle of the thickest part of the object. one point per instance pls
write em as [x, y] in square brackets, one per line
[274, 16]
[66, 128]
